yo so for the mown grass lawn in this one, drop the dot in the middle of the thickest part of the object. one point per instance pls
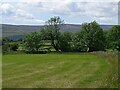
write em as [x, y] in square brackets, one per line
[68, 70]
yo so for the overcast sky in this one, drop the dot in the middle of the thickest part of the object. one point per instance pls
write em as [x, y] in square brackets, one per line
[36, 12]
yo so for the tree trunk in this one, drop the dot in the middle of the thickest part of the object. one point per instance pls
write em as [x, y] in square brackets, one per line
[55, 46]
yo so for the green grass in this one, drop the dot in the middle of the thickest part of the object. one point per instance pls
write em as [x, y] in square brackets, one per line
[68, 70]
[0, 69]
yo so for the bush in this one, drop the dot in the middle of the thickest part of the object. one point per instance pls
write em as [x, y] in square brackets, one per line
[65, 42]
[13, 46]
[33, 42]
[5, 48]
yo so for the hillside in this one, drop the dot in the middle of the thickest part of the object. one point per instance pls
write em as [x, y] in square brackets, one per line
[18, 31]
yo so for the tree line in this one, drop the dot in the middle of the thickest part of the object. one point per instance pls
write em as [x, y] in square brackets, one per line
[90, 38]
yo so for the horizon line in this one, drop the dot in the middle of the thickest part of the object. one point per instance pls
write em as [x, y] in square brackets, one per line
[43, 24]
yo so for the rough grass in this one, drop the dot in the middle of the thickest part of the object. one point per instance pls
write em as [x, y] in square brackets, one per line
[112, 77]
[0, 67]
[66, 70]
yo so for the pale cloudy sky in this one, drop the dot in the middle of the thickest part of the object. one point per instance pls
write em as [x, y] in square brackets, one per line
[36, 12]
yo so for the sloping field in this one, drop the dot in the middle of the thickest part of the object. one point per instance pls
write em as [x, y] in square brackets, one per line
[54, 71]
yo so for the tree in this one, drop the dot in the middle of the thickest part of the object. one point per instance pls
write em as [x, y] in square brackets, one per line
[5, 40]
[5, 45]
[96, 37]
[5, 48]
[79, 42]
[13, 46]
[52, 31]
[33, 42]
[55, 21]
[113, 37]
[65, 41]
[93, 37]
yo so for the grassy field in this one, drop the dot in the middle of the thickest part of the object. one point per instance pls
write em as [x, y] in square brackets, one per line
[0, 69]
[68, 70]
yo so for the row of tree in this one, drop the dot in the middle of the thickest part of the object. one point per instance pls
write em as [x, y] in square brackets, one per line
[8, 45]
[91, 37]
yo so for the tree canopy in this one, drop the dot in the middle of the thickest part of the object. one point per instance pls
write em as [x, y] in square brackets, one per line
[52, 31]
[33, 42]
[113, 37]
[91, 37]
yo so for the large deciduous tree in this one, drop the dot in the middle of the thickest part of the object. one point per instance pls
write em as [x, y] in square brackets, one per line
[65, 41]
[33, 42]
[80, 41]
[52, 31]
[113, 37]
[93, 36]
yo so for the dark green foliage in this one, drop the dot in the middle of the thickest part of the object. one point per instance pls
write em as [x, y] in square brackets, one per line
[113, 38]
[90, 38]
[65, 41]
[55, 21]
[79, 43]
[5, 40]
[5, 45]
[9, 46]
[106, 39]
[93, 36]
[33, 42]
[13, 46]
[5, 48]
[52, 31]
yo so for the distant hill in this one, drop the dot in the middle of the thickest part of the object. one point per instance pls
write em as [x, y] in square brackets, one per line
[10, 30]
[18, 31]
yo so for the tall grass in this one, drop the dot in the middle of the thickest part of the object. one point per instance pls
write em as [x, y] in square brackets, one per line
[111, 79]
